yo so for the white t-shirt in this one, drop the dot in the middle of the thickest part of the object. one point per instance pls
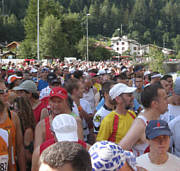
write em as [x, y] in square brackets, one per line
[90, 97]
[98, 117]
[172, 164]
[173, 111]
[174, 125]
[44, 92]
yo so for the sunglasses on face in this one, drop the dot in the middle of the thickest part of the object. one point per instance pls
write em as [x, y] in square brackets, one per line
[4, 91]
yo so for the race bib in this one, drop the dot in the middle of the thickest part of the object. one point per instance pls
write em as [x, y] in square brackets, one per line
[4, 163]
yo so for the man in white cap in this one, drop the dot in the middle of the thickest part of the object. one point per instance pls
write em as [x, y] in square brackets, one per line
[64, 128]
[116, 124]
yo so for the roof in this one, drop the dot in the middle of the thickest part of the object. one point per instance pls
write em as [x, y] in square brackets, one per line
[14, 42]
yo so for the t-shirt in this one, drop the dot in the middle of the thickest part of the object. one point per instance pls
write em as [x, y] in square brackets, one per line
[172, 164]
[123, 125]
[99, 116]
[174, 125]
[173, 111]
[42, 84]
[45, 92]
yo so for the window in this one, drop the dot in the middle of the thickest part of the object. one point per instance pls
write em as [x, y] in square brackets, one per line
[122, 43]
[117, 49]
[123, 48]
[134, 48]
[117, 43]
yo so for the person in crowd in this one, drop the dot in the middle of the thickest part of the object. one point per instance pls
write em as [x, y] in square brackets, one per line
[116, 124]
[59, 103]
[154, 100]
[173, 103]
[42, 83]
[174, 126]
[5, 146]
[64, 128]
[106, 155]
[13, 81]
[121, 78]
[24, 110]
[105, 108]
[147, 75]
[166, 86]
[139, 86]
[29, 89]
[76, 88]
[169, 79]
[70, 156]
[158, 159]
[89, 93]
[155, 77]
[10, 122]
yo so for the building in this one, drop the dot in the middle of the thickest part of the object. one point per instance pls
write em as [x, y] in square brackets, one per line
[123, 44]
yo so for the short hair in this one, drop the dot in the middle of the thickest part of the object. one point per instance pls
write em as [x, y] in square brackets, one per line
[149, 94]
[67, 152]
[78, 74]
[121, 76]
[106, 86]
[71, 84]
[165, 77]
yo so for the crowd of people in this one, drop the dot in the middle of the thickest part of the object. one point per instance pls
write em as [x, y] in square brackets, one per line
[84, 116]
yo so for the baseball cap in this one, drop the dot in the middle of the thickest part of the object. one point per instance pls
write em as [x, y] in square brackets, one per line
[156, 75]
[109, 156]
[65, 128]
[101, 72]
[58, 92]
[119, 89]
[147, 73]
[27, 85]
[51, 76]
[12, 78]
[177, 86]
[156, 128]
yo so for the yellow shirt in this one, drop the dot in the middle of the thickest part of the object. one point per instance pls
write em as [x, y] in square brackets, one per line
[97, 86]
[107, 125]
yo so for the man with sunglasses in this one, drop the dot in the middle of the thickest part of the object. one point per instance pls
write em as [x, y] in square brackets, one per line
[10, 122]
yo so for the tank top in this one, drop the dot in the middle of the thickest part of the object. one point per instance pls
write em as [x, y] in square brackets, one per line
[139, 149]
[51, 141]
[37, 111]
[48, 134]
[10, 127]
[4, 150]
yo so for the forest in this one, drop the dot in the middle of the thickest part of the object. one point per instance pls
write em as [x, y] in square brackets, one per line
[63, 24]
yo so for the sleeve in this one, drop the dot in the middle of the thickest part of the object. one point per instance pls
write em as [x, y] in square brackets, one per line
[105, 130]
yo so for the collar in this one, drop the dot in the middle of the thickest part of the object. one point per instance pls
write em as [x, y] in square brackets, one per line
[107, 108]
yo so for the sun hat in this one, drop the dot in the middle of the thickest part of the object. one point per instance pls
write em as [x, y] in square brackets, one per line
[177, 86]
[27, 85]
[108, 156]
[58, 92]
[65, 128]
[156, 128]
[119, 89]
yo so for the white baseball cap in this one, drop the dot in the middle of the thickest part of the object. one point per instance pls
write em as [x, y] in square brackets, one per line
[119, 89]
[65, 128]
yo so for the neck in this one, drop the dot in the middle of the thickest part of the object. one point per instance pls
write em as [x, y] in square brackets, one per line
[108, 104]
[151, 114]
[139, 90]
[157, 158]
[121, 110]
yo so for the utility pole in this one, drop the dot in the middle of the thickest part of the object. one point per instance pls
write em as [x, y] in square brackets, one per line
[87, 58]
[38, 30]
[121, 30]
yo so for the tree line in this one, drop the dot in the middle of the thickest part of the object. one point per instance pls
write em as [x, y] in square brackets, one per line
[63, 25]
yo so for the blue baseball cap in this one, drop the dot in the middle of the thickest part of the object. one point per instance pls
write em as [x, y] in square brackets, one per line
[157, 128]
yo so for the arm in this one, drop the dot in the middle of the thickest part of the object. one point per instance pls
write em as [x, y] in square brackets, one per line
[133, 135]
[44, 113]
[10, 166]
[19, 144]
[28, 143]
[39, 134]
[79, 128]
[35, 159]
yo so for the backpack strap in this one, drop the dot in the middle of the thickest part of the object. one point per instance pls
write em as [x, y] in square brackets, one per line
[115, 127]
